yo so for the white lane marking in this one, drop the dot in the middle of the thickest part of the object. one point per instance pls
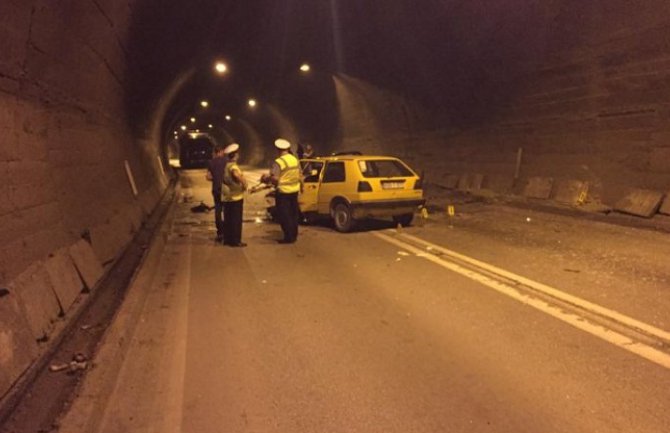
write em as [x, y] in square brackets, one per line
[543, 288]
[613, 337]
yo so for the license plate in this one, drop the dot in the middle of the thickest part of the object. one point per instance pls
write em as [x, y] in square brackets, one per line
[393, 185]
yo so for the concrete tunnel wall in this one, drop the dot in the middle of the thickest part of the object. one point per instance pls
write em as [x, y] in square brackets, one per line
[583, 87]
[587, 98]
[64, 143]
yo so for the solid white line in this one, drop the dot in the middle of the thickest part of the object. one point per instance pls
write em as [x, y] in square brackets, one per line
[614, 315]
[613, 337]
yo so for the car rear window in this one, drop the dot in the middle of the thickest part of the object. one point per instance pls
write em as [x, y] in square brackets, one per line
[383, 168]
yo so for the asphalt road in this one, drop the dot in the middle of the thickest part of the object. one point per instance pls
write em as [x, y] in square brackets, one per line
[375, 331]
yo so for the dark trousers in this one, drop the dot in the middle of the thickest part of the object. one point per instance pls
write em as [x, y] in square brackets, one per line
[218, 213]
[232, 224]
[289, 214]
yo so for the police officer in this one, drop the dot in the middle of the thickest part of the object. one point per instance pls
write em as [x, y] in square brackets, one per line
[234, 186]
[285, 175]
[215, 171]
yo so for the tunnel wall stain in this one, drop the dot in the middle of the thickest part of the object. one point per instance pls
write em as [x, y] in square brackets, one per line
[64, 145]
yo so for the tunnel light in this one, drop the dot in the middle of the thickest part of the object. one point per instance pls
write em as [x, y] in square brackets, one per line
[210, 126]
[192, 119]
[204, 104]
[228, 118]
[183, 127]
[252, 103]
[305, 68]
[221, 68]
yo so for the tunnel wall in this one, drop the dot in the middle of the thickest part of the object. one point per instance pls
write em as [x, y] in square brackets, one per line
[66, 204]
[582, 87]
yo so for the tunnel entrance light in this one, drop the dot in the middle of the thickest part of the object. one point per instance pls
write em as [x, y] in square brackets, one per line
[305, 68]
[220, 68]
[204, 104]
[252, 103]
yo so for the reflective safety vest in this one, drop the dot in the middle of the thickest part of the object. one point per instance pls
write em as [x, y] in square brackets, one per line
[289, 176]
[232, 189]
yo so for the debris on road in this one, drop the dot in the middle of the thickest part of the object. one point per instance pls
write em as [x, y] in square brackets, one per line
[58, 367]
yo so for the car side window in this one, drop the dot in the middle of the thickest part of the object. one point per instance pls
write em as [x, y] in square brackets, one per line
[311, 171]
[334, 172]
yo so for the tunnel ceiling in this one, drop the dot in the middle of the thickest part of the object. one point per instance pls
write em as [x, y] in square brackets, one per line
[426, 50]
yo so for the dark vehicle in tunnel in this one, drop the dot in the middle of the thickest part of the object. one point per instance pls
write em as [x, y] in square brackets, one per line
[195, 151]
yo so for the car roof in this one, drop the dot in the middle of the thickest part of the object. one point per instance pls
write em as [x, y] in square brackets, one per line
[352, 157]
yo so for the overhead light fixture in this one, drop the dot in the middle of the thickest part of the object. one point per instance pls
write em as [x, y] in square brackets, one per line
[220, 67]
[252, 103]
[192, 119]
[204, 104]
[305, 68]
[210, 126]
[183, 127]
[228, 118]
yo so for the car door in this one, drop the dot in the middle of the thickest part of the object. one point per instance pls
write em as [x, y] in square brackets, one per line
[311, 174]
[333, 183]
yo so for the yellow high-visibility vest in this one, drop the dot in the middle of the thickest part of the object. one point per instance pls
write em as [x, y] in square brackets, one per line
[232, 189]
[289, 177]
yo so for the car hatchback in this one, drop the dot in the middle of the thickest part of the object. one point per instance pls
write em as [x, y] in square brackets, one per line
[349, 188]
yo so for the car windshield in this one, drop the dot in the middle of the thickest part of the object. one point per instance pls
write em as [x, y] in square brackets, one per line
[383, 168]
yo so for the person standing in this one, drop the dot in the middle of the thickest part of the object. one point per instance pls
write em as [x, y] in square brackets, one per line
[215, 170]
[234, 186]
[285, 175]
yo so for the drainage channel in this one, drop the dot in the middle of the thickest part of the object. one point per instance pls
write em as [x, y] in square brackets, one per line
[41, 396]
[626, 332]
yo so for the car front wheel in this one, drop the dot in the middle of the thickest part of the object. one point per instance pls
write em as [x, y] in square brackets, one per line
[342, 217]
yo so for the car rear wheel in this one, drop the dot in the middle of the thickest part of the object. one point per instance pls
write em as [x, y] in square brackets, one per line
[342, 217]
[404, 220]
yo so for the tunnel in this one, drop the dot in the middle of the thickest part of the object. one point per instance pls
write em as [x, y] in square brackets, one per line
[95, 95]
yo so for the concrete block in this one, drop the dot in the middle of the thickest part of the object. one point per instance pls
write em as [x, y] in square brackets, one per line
[87, 263]
[640, 202]
[110, 238]
[538, 187]
[148, 200]
[464, 182]
[499, 183]
[451, 181]
[64, 278]
[35, 292]
[18, 348]
[665, 207]
[571, 191]
[476, 181]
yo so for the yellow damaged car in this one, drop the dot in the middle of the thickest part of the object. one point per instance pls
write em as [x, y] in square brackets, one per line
[352, 187]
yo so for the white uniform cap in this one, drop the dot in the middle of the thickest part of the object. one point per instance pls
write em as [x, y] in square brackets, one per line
[282, 144]
[231, 148]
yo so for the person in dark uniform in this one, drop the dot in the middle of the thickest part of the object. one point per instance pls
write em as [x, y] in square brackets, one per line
[234, 186]
[285, 176]
[215, 169]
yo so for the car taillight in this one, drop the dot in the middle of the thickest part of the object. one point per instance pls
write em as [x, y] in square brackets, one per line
[364, 186]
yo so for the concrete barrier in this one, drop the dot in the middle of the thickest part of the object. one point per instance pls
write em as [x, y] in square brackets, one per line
[87, 263]
[538, 187]
[18, 348]
[640, 202]
[64, 278]
[665, 207]
[35, 292]
[571, 191]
